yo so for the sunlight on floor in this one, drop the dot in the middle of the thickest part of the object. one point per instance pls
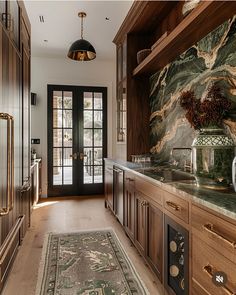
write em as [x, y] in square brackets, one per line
[44, 204]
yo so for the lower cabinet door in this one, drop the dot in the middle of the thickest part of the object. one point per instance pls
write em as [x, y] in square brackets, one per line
[140, 222]
[129, 203]
[176, 250]
[208, 263]
[155, 239]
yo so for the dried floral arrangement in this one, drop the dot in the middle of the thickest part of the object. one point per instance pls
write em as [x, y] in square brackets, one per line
[210, 112]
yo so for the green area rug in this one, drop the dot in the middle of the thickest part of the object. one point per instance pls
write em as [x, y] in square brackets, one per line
[86, 263]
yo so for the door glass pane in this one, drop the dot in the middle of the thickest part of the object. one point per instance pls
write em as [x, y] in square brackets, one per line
[98, 137]
[57, 99]
[88, 156]
[88, 119]
[67, 173]
[97, 101]
[67, 100]
[97, 174]
[57, 176]
[67, 119]
[57, 137]
[88, 137]
[97, 119]
[57, 157]
[67, 137]
[88, 174]
[67, 159]
[88, 103]
[62, 137]
[57, 119]
[97, 156]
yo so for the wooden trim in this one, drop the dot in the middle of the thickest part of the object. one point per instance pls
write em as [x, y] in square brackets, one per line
[25, 17]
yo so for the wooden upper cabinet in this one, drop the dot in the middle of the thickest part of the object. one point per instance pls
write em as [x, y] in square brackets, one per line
[13, 21]
[153, 18]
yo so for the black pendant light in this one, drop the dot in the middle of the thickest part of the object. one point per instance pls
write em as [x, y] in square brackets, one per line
[81, 50]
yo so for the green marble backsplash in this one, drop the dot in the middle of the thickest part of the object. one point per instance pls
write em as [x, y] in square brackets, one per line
[212, 59]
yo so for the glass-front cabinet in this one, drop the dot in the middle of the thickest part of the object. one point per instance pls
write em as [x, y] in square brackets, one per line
[121, 92]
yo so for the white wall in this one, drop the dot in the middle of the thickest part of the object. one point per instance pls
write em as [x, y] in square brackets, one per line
[67, 72]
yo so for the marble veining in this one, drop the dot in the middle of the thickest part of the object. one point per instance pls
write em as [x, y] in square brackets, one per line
[212, 59]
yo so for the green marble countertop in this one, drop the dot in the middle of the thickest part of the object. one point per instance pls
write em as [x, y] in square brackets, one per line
[222, 201]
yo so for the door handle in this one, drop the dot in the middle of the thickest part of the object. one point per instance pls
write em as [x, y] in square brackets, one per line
[10, 164]
[82, 156]
[74, 156]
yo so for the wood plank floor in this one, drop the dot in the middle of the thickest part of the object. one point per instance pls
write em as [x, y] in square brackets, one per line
[63, 215]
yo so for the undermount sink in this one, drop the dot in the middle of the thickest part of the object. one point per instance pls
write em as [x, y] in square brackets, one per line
[164, 174]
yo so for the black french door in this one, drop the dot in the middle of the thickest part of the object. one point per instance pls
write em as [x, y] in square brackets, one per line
[77, 139]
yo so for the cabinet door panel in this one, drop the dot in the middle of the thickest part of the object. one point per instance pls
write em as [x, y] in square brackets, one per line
[26, 115]
[155, 239]
[140, 222]
[129, 210]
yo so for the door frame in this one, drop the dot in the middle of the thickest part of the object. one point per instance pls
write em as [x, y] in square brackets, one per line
[86, 189]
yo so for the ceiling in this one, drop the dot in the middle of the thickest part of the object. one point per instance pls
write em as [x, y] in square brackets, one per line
[61, 25]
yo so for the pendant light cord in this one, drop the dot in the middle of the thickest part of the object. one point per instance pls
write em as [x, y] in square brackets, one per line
[82, 26]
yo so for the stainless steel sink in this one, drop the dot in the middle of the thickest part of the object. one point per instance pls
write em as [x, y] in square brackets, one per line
[166, 174]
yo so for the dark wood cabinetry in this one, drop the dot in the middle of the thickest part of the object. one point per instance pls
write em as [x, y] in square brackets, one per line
[14, 220]
[140, 222]
[154, 252]
[129, 205]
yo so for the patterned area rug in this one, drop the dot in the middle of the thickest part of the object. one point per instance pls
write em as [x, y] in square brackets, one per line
[87, 263]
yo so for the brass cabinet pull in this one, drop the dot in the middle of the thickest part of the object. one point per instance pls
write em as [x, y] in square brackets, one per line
[209, 270]
[210, 228]
[10, 164]
[173, 205]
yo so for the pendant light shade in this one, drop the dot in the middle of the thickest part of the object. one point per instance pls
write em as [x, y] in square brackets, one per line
[81, 50]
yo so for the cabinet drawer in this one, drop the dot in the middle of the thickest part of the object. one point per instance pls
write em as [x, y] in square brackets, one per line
[215, 231]
[150, 190]
[177, 206]
[206, 261]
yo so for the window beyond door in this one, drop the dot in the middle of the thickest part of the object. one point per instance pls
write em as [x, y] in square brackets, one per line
[76, 139]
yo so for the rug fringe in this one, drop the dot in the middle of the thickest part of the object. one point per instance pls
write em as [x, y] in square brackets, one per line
[42, 263]
[131, 265]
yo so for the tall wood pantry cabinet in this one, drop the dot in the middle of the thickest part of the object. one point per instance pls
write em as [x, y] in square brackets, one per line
[14, 130]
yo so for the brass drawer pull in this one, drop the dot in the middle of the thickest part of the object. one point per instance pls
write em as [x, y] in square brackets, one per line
[173, 205]
[210, 228]
[209, 270]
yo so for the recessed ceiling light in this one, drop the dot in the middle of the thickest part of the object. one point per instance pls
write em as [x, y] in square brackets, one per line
[107, 18]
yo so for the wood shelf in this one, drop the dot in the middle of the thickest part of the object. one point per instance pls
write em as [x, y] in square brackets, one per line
[207, 16]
